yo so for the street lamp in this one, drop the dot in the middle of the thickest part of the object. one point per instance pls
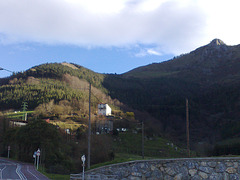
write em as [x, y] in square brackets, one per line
[2, 69]
[5, 70]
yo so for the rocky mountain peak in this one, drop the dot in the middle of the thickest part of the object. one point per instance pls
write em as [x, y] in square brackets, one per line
[217, 42]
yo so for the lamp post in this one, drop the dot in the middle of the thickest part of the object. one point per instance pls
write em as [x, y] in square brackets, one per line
[2, 69]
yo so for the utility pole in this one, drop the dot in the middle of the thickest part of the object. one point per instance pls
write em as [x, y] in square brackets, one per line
[89, 128]
[142, 140]
[187, 127]
[24, 117]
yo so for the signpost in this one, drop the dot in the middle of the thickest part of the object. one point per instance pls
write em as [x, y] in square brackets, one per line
[83, 160]
[34, 156]
[9, 151]
[38, 154]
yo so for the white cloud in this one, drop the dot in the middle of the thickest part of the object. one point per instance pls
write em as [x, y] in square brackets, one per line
[177, 26]
[146, 51]
[98, 6]
[222, 20]
[154, 52]
[141, 53]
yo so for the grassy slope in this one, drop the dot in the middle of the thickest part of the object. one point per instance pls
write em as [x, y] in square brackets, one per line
[67, 125]
[127, 147]
[155, 147]
[54, 176]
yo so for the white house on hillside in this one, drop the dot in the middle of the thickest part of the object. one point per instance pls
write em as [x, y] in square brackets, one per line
[104, 109]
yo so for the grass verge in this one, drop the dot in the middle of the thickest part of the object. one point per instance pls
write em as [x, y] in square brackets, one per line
[120, 158]
[54, 176]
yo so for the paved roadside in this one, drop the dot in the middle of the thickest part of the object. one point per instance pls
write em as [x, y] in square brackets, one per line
[11, 169]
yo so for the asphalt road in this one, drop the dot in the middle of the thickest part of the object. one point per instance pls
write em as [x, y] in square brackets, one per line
[17, 170]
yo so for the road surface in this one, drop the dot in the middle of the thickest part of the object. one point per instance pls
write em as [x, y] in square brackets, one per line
[15, 170]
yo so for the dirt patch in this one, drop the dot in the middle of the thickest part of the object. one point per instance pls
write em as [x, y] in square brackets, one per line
[69, 65]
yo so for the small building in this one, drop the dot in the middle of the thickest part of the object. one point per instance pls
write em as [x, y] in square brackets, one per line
[18, 123]
[104, 126]
[104, 109]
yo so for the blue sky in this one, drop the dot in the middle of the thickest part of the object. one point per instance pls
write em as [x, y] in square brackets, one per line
[109, 36]
[20, 57]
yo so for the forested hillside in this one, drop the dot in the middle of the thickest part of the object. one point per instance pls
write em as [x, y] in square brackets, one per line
[56, 94]
[47, 82]
[208, 77]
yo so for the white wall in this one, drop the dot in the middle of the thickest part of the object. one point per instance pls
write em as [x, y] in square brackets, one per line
[104, 109]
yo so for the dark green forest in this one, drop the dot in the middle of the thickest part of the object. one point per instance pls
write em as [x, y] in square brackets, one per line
[59, 152]
[56, 71]
[13, 95]
[47, 82]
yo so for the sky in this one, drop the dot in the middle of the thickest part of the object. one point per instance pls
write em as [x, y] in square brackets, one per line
[110, 36]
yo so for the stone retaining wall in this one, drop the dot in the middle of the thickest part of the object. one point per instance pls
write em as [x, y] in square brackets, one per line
[169, 169]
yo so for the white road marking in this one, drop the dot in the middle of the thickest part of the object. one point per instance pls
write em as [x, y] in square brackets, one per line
[1, 172]
[31, 172]
[18, 169]
[8, 162]
[19, 172]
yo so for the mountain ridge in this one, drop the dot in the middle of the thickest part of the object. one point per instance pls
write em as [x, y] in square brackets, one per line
[209, 77]
[208, 57]
[216, 42]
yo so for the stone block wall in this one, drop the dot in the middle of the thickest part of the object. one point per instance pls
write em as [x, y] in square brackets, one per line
[169, 169]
